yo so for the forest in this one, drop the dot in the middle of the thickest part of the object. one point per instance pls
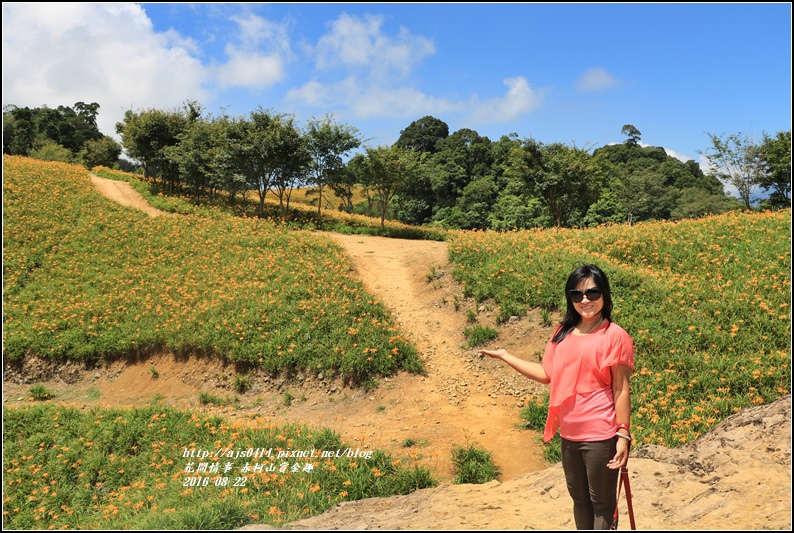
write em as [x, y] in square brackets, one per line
[429, 176]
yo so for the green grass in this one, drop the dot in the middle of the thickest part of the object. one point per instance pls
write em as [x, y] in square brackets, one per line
[40, 393]
[158, 467]
[241, 383]
[207, 398]
[287, 398]
[533, 417]
[473, 464]
[89, 279]
[477, 334]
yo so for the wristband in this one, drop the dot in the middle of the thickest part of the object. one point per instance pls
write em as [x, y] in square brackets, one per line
[621, 435]
[624, 426]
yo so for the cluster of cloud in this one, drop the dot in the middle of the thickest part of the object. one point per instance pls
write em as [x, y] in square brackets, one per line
[59, 54]
[596, 79]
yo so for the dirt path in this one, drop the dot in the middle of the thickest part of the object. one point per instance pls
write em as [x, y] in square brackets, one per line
[123, 193]
[464, 398]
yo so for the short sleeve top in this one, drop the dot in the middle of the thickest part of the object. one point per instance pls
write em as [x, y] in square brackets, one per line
[582, 364]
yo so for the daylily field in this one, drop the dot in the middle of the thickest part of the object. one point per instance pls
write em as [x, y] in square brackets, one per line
[707, 302]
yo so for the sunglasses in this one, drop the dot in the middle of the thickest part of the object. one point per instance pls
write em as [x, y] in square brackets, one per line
[593, 294]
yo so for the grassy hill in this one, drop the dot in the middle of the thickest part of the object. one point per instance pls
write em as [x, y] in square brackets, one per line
[707, 302]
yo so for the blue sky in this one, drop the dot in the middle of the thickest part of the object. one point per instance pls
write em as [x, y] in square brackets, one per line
[572, 73]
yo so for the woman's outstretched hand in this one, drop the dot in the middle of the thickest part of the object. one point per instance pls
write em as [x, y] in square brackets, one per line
[496, 354]
[527, 368]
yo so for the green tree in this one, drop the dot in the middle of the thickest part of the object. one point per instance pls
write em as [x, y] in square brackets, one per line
[775, 154]
[196, 153]
[328, 142]
[632, 133]
[26, 129]
[608, 209]
[692, 175]
[276, 152]
[87, 112]
[695, 202]
[415, 198]
[563, 177]
[500, 158]
[344, 186]
[69, 128]
[476, 202]
[423, 135]
[235, 168]
[146, 134]
[512, 211]
[100, 152]
[672, 178]
[291, 159]
[385, 169]
[461, 158]
[49, 150]
[19, 130]
[737, 162]
[639, 192]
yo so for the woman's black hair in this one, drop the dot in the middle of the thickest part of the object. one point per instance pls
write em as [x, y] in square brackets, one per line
[572, 317]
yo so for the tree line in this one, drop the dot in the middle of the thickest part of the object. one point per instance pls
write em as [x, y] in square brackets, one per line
[427, 177]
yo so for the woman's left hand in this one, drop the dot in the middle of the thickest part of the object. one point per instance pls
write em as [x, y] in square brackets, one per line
[621, 458]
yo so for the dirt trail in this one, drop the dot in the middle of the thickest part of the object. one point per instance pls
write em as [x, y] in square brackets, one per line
[123, 193]
[464, 398]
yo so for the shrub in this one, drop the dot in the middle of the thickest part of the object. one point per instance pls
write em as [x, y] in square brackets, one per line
[473, 465]
[241, 383]
[287, 397]
[478, 334]
[209, 398]
[40, 393]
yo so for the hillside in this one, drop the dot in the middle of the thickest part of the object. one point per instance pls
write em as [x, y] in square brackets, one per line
[736, 477]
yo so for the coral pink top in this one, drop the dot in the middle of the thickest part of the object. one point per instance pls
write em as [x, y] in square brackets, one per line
[581, 404]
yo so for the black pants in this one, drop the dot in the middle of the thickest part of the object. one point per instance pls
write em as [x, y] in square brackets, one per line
[591, 484]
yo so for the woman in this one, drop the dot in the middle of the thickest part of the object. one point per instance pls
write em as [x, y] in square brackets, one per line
[587, 364]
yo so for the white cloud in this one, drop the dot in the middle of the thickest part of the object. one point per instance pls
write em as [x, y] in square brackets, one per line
[596, 79]
[247, 65]
[110, 53]
[60, 54]
[312, 93]
[399, 103]
[681, 157]
[254, 31]
[249, 69]
[362, 101]
[519, 100]
[367, 101]
[357, 66]
[359, 44]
